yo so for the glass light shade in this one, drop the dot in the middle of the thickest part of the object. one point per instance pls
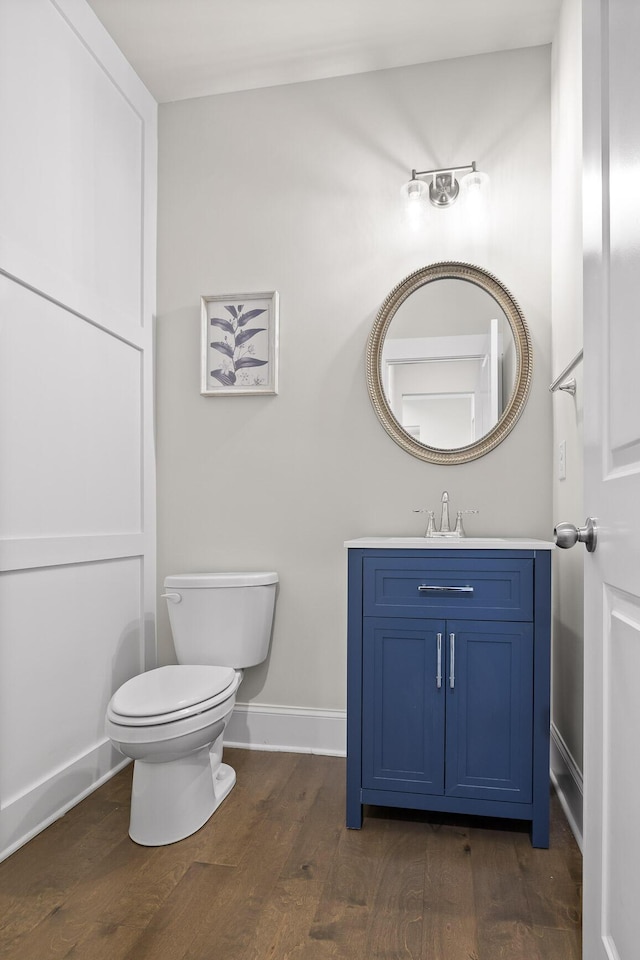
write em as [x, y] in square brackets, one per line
[414, 190]
[474, 182]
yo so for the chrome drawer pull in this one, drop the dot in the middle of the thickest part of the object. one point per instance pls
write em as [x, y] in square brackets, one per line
[439, 673]
[428, 588]
[452, 660]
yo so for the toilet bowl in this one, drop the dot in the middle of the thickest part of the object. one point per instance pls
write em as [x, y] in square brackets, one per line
[171, 720]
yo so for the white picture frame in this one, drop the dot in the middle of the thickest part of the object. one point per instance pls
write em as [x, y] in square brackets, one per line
[239, 344]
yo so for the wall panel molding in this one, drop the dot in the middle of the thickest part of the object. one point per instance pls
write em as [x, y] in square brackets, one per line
[55, 551]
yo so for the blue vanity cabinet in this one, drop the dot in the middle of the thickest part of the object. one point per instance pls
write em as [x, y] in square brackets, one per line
[448, 683]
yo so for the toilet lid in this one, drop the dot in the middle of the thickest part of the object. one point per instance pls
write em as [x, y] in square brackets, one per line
[172, 689]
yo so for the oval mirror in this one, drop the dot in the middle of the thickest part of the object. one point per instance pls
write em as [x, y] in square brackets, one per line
[449, 363]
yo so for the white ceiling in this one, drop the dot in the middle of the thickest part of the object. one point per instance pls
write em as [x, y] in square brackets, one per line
[193, 48]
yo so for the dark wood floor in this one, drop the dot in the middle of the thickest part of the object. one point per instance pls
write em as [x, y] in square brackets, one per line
[275, 875]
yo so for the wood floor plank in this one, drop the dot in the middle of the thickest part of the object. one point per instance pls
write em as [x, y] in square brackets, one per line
[395, 927]
[126, 888]
[510, 940]
[136, 892]
[238, 908]
[449, 928]
[372, 900]
[103, 941]
[299, 791]
[315, 848]
[554, 898]
[118, 788]
[62, 935]
[282, 932]
[260, 780]
[504, 921]
[194, 903]
[342, 916]
[35, 883]
[559, 944]
[553, 881]
[52, 857]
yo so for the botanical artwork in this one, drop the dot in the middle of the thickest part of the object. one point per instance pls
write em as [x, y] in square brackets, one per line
[238, 355]
[239, 344]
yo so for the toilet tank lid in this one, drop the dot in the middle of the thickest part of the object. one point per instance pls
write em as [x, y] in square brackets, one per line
[186, 581]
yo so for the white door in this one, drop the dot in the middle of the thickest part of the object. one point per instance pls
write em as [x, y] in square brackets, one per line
[611, 84]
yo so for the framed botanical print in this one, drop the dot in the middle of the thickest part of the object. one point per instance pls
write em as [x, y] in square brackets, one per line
[239, 344]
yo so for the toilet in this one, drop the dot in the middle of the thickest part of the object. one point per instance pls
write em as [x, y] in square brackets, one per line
[170, 721]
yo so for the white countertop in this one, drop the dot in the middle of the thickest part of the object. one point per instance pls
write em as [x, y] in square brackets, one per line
[450, 543]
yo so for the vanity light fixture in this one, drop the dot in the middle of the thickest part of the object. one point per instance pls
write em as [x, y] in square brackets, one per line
[443, 186]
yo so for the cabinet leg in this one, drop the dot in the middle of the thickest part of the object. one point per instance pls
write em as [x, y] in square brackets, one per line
[541, 808]
[540, 830]
[354, 812]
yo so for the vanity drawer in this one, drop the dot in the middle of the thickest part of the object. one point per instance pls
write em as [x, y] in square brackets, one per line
[447, 587]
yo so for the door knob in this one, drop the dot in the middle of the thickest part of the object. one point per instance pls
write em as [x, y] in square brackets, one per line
[566, 535]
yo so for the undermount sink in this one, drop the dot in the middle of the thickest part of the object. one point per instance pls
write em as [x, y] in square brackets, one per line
[450, 543]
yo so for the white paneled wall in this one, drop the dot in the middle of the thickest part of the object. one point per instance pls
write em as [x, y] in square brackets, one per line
[77, 486]
[77, 389]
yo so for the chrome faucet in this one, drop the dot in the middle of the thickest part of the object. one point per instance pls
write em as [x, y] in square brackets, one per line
[445, 523]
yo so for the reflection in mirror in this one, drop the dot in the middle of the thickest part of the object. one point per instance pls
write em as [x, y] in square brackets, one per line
[449, 363]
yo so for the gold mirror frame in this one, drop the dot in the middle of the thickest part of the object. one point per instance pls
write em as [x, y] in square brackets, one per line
[518, 399]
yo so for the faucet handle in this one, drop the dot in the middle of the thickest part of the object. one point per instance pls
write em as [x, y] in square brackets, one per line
[459, 529]
[431, 523]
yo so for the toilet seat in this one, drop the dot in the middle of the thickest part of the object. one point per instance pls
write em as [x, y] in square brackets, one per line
[171, 693]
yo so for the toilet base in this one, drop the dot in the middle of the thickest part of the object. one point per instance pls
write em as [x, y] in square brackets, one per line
[171, 800]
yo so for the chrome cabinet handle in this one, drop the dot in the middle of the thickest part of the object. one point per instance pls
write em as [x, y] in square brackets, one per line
[439, 673]
[429, 588]
[452, 660]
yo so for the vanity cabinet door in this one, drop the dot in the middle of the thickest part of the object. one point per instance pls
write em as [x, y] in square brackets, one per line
[403, 705]
[458, 723]
[489, 731]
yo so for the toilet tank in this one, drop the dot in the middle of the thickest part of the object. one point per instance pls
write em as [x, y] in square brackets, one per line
[223, 619]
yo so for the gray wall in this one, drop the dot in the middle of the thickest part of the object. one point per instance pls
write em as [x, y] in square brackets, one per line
[296, 188]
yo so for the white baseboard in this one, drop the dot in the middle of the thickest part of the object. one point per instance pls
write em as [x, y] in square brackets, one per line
[289, 729]
[567, 780]
[27, 814]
